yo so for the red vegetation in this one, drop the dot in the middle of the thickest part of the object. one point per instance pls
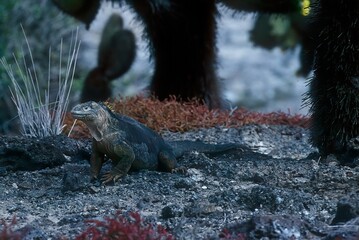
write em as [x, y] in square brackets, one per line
[226, 235]
[7, 232]
[124, 228]
[184, 116]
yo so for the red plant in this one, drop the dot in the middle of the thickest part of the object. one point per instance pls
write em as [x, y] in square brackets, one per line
[227, 235]
[178, 116]
[124, 228]
[7, 232]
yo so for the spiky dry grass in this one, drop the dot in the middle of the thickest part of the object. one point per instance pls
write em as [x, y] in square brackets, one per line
[177, 116]
[38, 116]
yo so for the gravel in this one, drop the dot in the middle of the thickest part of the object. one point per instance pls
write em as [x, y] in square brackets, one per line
[275, 187]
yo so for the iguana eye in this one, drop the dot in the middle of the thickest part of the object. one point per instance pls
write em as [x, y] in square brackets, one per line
[87, 108]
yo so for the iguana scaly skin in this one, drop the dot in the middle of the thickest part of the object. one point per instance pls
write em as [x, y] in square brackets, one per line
[130, 144]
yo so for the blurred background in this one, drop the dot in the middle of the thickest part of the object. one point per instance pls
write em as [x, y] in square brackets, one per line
[260, 62]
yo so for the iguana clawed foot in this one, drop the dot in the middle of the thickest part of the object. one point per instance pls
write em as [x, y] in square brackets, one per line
[181, 170]
[108, 177]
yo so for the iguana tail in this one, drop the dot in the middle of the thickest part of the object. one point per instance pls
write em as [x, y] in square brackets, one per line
[181, 147]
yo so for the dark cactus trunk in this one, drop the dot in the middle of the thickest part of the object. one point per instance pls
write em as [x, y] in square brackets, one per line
[334, 89]
[182, 39]
[265, 6]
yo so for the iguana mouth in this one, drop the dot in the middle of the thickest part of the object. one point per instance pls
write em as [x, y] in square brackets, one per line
[85, 111]
[81, 115]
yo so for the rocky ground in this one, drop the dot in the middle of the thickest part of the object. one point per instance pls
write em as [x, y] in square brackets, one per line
[274, 188]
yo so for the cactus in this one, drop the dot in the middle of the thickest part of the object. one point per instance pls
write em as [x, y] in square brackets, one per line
[83, 10]
[333, 94]
[117, 51]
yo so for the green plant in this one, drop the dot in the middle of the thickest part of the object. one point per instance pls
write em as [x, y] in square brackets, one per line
[38, 116]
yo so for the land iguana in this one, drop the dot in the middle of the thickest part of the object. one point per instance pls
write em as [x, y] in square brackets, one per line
[131, 145]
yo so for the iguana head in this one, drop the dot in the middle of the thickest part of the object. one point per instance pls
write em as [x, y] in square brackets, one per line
[94, 115]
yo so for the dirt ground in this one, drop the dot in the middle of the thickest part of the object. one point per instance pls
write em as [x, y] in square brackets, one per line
[275, 187]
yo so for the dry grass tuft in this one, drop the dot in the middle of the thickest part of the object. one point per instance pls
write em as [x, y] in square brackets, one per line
[39, 117]
[184, 116]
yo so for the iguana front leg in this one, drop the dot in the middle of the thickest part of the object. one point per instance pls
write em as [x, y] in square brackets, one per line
[122, 159]
[167, 160]
[96, 161]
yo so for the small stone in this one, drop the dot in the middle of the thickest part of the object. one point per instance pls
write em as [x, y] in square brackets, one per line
[199, 208]
[183, 183]
[347, 209]
[3, 171]
[171, 211]
[94, 189]
[70, 182]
